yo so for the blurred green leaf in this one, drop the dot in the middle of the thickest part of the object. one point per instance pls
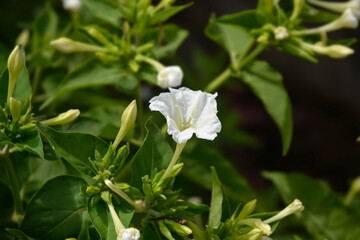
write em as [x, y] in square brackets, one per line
[296, 50]
[104, 11]
[197, 160]
[216, 201]
[325, 215]
[249, 19]
[315, 15]
[84, 232]
[55, 211]
[235, 39]
[267, 85]
[167, 13]
[154, 153]
[18, 234]
[76, 148]
[93, 73]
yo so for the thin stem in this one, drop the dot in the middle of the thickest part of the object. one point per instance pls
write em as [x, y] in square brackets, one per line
[140, 112]
[226, 74]
[119, 192]
[178, 150]
[37, 75]
[13, 181]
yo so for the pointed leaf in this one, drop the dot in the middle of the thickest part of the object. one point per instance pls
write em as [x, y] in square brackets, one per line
[217, 197]
[104, 11]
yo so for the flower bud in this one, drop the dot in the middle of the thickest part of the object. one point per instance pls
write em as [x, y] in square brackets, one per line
[247, 209]
[338, 6]
[281, 33]
[62, 118]
[256, 223]
[129, 234]
[180, 229]
[23, 38]
[255, 234]
[72, 5]
[97, 35]
[92, 190]
[348, 20]
[139, 205]
[294, 207]
[338, 51]
[15, 108]
[15, 64]
[127, 120]
[67, 45]
[170, 77]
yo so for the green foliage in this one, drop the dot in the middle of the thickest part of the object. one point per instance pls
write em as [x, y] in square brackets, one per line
[55, 211]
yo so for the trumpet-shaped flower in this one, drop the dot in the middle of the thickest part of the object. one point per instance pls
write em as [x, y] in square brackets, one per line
[170, 77]
[129, 234]
[340, 7]
[188, 112]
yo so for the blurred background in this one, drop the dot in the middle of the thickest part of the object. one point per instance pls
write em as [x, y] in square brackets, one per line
[325, 97]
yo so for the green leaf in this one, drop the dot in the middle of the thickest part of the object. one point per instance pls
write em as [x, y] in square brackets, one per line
[4, 82]
[216, 201]
[325, 215]
[84, 232]
[102, 220]
[18, 234]
[154, 153]
[76, 148]
[165, 231]
[267, 85]
[93, 73]
[295, 50]
[167, 13]
[104, 11]
[197, 160]
[32, 144]
[249, 19]
[55, 211]
[315, 15]
[235, 39]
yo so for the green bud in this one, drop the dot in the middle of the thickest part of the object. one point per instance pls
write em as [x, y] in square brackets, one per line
[255, 223]
[164, 230]
[134, 66]
[139, 205]
[92, 31]
[15, 108]
[62, 118]
[23, 38]
[92, 190]
[106, 196]
[127, 120]
[66, 45]
[247, 209]
[255, 234]
[15, 64]
[107, 57]
[176, 170]
[180, 229]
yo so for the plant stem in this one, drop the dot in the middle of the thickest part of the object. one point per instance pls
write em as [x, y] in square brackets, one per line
[178, 150]
[119, 192]
[140, 112]
[226, 74]
[13, 181]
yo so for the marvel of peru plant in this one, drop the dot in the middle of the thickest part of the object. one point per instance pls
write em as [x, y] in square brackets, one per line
[142, 160]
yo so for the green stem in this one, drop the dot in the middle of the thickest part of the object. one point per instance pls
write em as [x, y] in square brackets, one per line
[119, 192]
[140, 112]
[13, 181]
[37, 75]
[226, 74]
[178, 150]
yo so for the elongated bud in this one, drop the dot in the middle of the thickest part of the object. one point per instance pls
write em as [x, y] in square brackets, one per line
[67, 45]
[23, 38]
[170, 77]
[294, 207]
[334, 51]
[15, 108]
[180, 229]
[247, 209]
[255, 234]
[106, 196]
[15, 64]
[337, 6]
[97, 35]
[127, 120]
[62, 118]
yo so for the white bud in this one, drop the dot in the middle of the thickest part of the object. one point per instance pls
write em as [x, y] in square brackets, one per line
[281, 33]
[170, 77]
[348, 19]
[338, 51]
[67, 45]
[72, 5]
[294, 207]
[63, 118]
[129, 234]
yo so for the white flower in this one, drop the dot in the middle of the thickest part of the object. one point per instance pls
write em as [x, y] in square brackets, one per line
[73, 5]
[294, 207]
[188, 112]
[129, 234]
[281, 33]
[170, 77]
[348, 19]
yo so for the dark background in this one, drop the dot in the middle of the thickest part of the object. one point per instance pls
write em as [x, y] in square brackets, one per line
[325, 98]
